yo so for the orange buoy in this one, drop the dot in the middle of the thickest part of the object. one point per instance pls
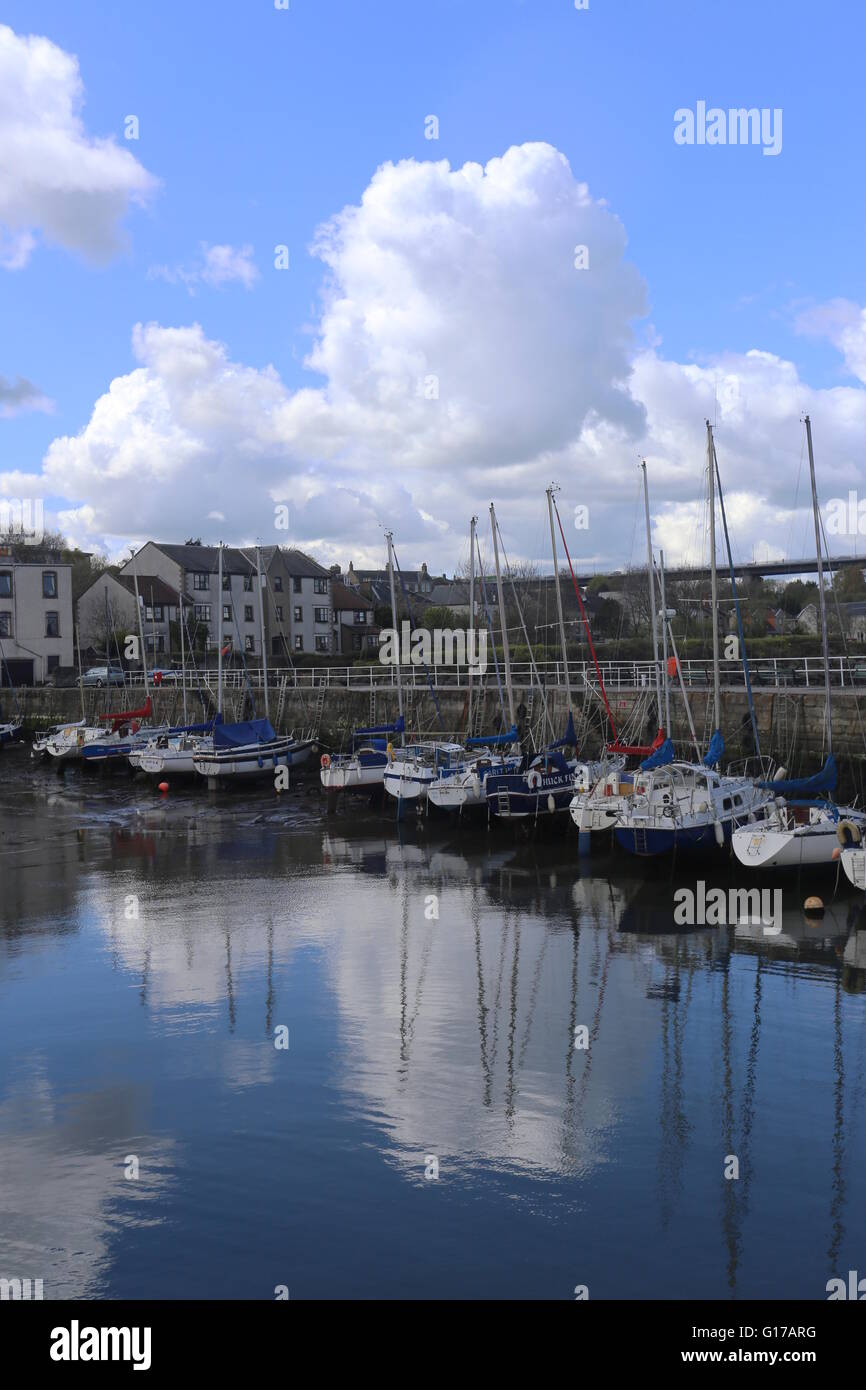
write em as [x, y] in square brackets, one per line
[163, 786]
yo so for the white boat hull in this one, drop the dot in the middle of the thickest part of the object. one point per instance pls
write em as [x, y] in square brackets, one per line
[774, 846]
[854, 864]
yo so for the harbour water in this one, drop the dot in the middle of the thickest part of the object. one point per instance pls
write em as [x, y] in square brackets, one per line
[246, 1047]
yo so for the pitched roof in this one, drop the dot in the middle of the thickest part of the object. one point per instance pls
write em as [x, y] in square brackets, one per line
[150, 586]
[303, 565]
[343, 598]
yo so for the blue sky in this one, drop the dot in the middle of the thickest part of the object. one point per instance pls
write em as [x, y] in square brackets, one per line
[260, 125]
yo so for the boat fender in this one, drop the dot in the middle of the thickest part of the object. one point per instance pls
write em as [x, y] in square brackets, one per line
[390, 751]
[533, 779]
[847, 833]
[551, 803]
[325, 760]
[781, 774]
[719, 832]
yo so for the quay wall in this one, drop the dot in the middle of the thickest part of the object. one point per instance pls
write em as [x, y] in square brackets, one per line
[791, 721]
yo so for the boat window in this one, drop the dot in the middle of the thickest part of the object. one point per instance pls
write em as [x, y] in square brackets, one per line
[726, 804]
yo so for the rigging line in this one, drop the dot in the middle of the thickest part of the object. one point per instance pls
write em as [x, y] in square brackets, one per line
[533, 667]
[585, 623]
[752, 715]
[412, 620]
[491, 632]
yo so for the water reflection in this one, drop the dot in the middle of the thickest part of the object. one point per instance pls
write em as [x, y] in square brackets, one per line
[536, 1023]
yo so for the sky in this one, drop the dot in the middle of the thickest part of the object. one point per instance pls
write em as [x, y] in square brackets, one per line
[303, 274]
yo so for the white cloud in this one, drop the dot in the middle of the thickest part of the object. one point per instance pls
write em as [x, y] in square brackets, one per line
[460, 357]
[216, 266]
[55, 178]
[844, 325]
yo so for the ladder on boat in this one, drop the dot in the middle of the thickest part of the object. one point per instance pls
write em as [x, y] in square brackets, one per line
[373, 709]
[281, 702]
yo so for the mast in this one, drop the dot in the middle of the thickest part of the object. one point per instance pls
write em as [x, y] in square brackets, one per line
[714, 583]
[652, 593]
[80, 673]
[220, 631]
[182, 650]
[262, 620]
[502, 619]
[665, 641]
[471, 616]
[389, 537]
[550, 492]
[818, 555]
[140, 620]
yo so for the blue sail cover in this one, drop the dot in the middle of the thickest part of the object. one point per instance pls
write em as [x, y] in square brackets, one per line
[493, 740]
[716, 750]
[823, 781]
[569, 737]
[249, 731]
[397, 728]
[663, 755]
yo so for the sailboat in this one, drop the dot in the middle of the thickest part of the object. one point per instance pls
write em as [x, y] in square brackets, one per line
[599, 801]
[691, 806]
[804, 826]
[362, 768]
[248, 748]
[10, 729]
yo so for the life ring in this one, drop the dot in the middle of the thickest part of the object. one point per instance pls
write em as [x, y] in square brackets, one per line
[533, 779]
[326, 760]
[672, 667]
[848, 833]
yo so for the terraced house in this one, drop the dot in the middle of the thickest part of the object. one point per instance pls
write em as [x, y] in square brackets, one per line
[36, 632]
[296, 598]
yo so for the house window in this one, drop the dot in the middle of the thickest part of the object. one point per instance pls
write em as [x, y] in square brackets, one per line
[248, 612]
[356, 641]
[227, 613]
[320, 586]
[299, 643]
[278, 583]
[323, 644]
[51, 663]
[5, 583]
[276, 646]
[321, 615]
[201, 581]
[299, 615]
[279, 611]
[154, 614]
[49, 584]
[249, 643]
[226, 582]
[52, 624]
[5, 624]
[297, 587]
[360, 617]
[248, 583]
[202, 612]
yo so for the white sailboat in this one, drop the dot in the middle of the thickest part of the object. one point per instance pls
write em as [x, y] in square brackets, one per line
[803, 826]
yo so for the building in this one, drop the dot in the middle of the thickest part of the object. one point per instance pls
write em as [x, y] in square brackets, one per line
[296, 593]
[109, 605]
[355, 631]
[36, 634]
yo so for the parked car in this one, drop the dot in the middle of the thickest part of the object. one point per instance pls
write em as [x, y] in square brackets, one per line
[102, 676]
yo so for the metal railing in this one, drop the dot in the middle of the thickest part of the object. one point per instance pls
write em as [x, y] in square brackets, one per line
[806, 673]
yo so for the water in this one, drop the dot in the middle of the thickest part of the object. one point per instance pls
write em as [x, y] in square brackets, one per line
[414, 1040]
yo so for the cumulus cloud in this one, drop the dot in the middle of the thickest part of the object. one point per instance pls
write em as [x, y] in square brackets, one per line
[20, 395]
[216, 266]
[843, 323]
[459, 355]
[55, 178]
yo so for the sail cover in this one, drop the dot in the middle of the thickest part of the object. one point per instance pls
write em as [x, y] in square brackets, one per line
[823, 781]
[716, 750]
[637, 750]
[381, 729]
[569, 737]
[238, 735]
[663, 754]
[493, 740]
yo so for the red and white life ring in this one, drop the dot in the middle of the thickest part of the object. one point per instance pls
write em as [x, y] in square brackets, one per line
[326, 760]
[533, 779]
